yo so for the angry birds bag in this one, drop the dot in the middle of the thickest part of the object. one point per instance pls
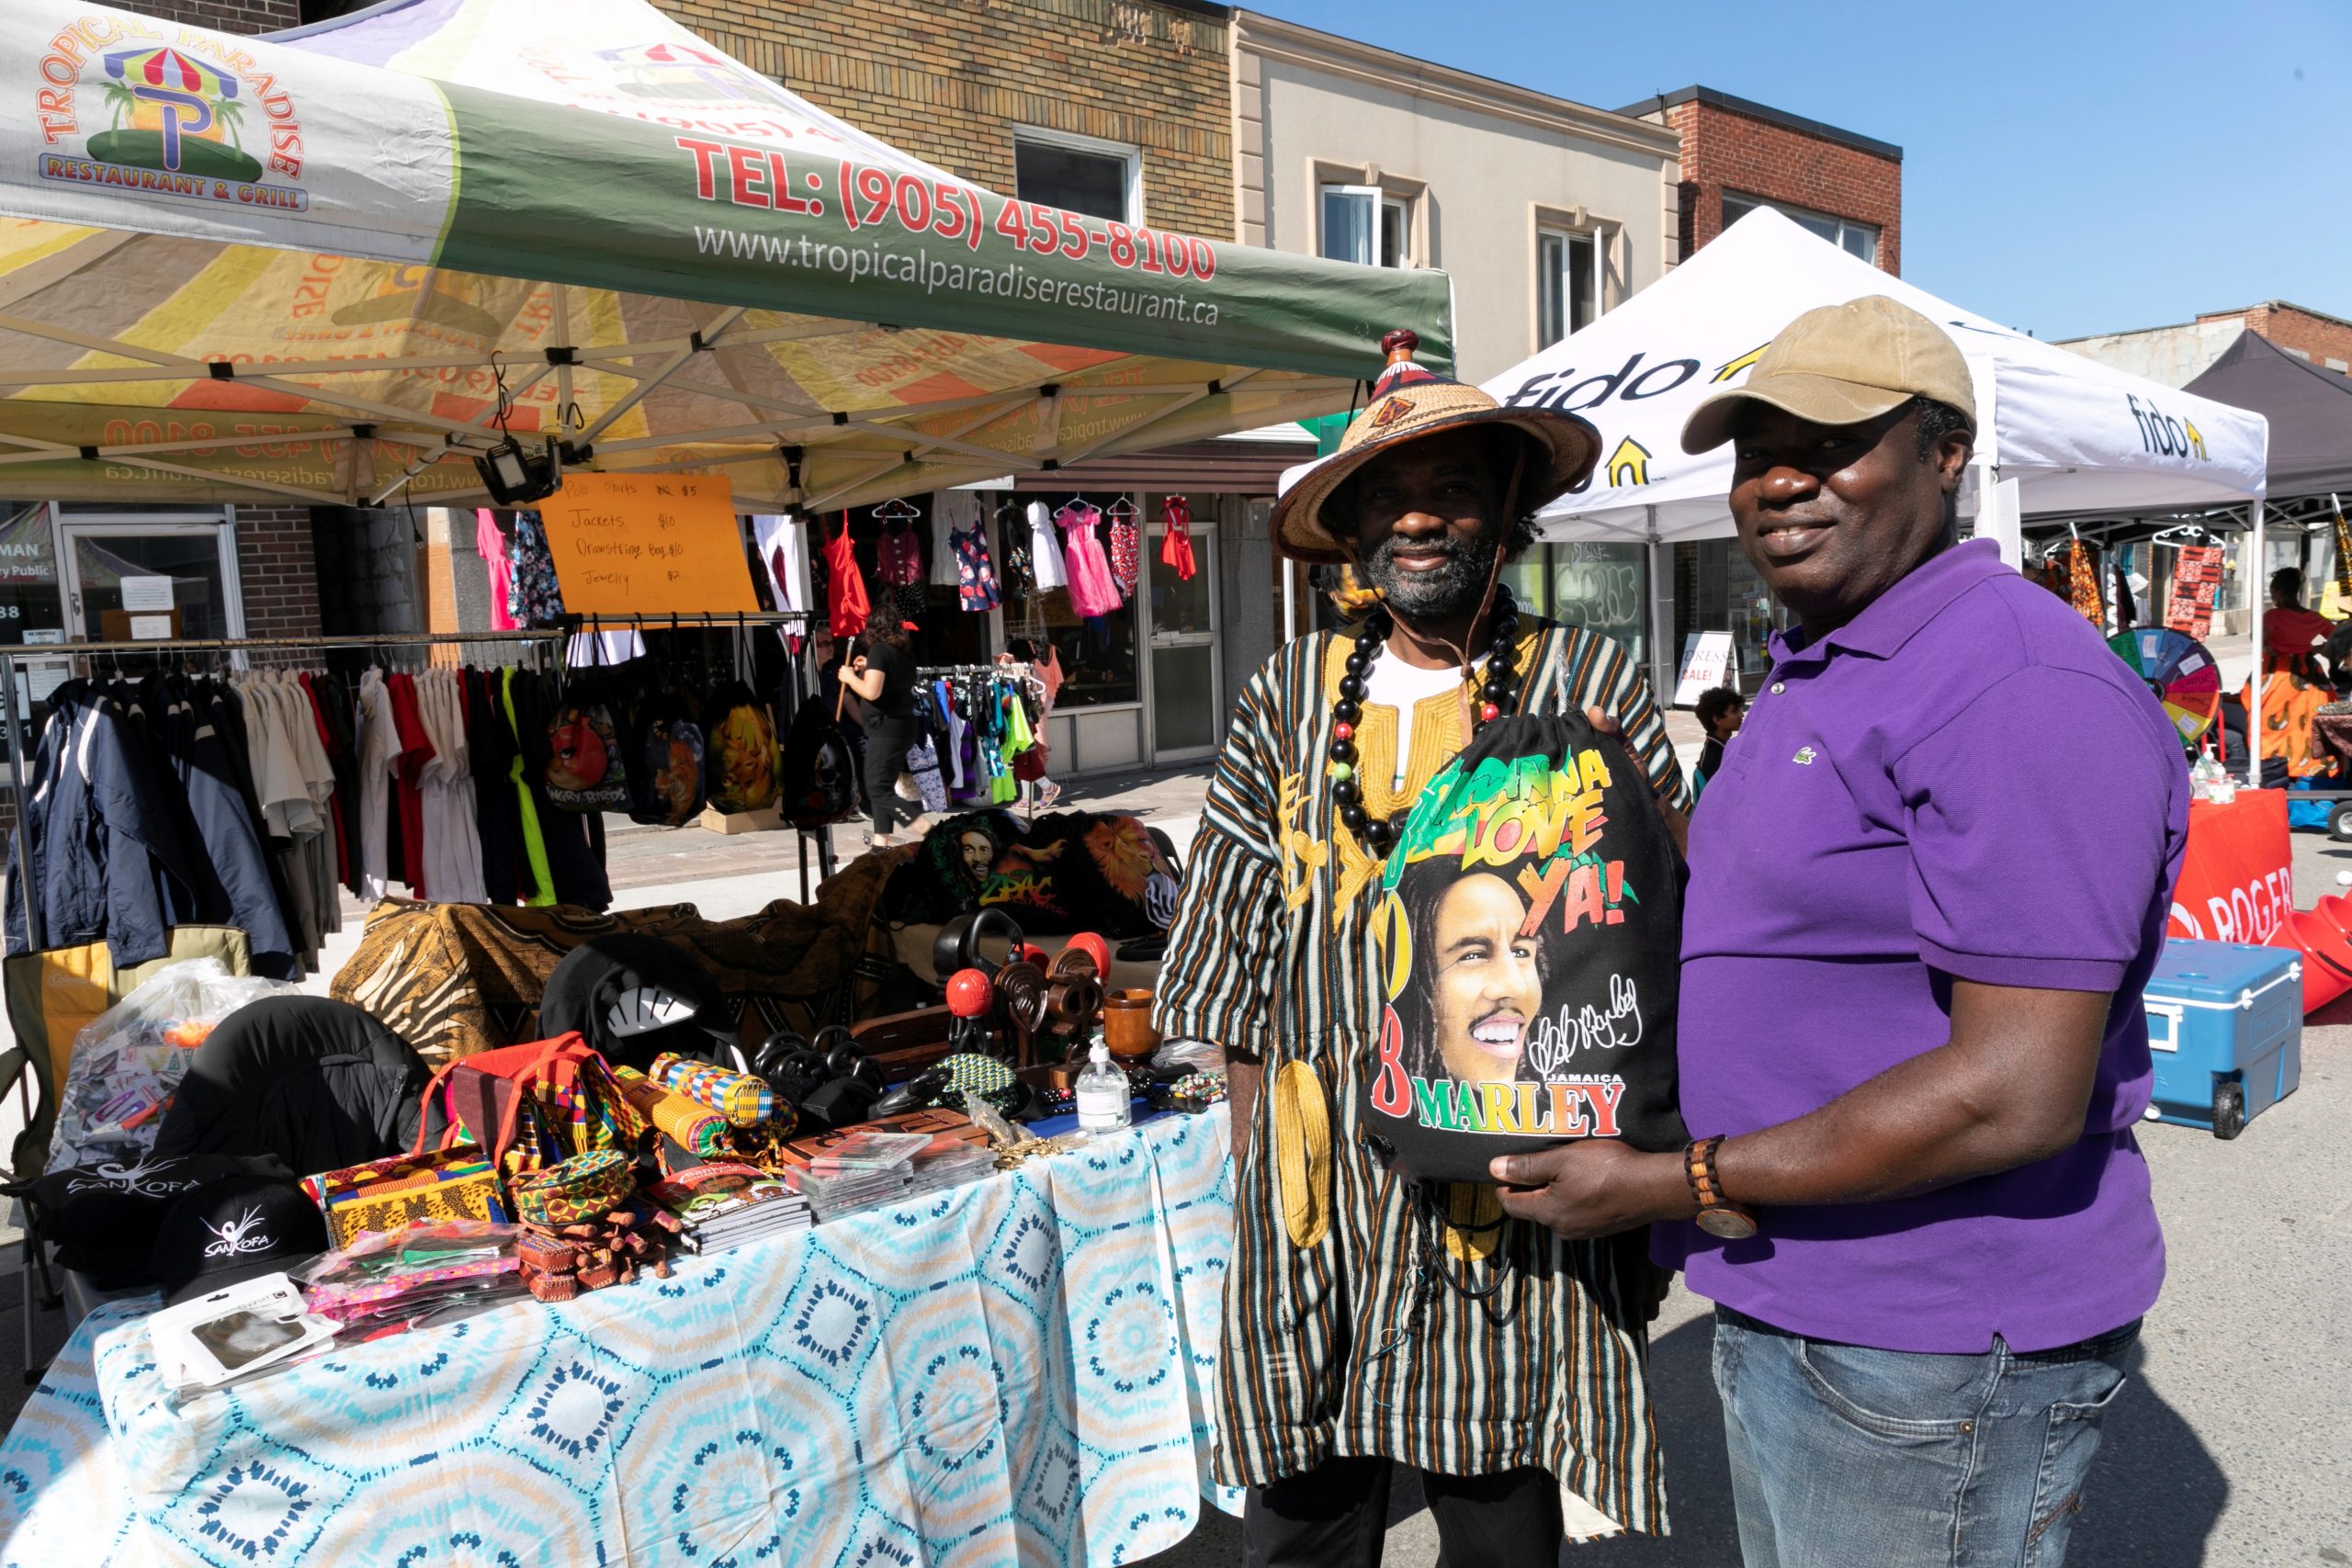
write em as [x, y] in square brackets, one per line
[584, 768]
[1530, 935]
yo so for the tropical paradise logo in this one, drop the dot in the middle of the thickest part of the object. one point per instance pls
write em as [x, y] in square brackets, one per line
[180, 120]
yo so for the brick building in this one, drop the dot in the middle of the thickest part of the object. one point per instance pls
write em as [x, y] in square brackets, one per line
[1737, 155]
[2176, 356]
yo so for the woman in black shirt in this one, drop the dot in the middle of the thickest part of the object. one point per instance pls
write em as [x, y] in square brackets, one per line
[881, 671]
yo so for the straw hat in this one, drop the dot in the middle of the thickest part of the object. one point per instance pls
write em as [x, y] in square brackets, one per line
[1408, 402]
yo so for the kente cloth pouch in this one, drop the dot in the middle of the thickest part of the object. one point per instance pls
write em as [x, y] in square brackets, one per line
[693, 1127]
[585, 1187]
[742, 1100]
[384, 1195]
[1540, 852]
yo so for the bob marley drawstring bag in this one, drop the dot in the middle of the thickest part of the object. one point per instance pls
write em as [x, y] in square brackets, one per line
[1529, 929]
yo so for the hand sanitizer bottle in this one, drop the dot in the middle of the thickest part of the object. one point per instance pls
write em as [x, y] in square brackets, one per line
[1103, 1093]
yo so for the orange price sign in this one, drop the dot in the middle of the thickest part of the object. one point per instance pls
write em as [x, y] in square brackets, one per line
[637, 544]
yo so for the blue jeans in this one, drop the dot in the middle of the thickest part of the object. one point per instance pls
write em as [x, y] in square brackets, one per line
[1842, 1456]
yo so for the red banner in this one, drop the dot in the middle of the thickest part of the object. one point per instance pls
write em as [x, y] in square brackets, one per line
[2236, 879]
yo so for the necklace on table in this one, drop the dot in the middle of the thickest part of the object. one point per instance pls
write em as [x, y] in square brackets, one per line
[1496, 697]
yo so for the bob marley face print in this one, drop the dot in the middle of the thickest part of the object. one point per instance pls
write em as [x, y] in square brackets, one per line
[1530, 929]
[1485, 977]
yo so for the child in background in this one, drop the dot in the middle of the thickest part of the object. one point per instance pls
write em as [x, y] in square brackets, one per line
[1720, 712]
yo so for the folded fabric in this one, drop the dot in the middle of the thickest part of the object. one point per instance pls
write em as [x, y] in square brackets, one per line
[692, 1126]
[742, 1100]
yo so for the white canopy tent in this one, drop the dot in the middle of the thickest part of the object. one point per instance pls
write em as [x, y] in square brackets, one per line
[2057, 433]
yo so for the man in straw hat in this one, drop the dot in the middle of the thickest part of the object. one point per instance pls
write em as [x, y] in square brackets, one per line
[1350, 1339]
[1924, 893]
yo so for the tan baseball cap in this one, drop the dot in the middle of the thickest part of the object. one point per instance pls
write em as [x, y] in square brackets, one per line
[1843, 365]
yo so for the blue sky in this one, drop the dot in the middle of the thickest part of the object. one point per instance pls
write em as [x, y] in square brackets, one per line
[2068, 167]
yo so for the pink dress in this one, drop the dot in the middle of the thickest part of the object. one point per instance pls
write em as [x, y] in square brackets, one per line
[492, 546]
[1092, 590]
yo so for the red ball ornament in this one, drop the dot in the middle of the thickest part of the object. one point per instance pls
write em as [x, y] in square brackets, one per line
[1489, 713]
[1343, 732]
[969, 993]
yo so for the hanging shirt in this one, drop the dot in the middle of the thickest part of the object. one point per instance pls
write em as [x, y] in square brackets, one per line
[953, 511]
[489, 542]
[898, 557]
[380, 754]
[782, 540]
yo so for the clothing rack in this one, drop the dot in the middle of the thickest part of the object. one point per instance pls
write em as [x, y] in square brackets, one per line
[1010, 670]
[12, 658]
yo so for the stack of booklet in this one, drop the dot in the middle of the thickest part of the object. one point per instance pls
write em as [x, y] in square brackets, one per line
[723, 1206]
[867, 1168]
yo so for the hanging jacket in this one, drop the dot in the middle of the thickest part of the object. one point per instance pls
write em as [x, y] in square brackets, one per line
[232, 840]
[110, 864]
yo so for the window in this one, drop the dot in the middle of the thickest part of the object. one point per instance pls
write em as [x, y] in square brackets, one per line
[1856, 239]
[1366, 225]
[1567, 284]
[1077, 174]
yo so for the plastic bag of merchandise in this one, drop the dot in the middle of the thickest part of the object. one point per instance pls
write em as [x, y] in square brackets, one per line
[129, 1060]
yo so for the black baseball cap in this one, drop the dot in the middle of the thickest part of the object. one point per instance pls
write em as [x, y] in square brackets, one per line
[633, 996]
[234, 1230]
[104, 1216]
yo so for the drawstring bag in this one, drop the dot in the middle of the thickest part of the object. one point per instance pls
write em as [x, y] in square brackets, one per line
[1529, 932]
[585, 771]
[669, 778]
[739, 752]
[817, 774]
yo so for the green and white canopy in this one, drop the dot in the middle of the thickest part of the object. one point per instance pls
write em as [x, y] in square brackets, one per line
[300, 266]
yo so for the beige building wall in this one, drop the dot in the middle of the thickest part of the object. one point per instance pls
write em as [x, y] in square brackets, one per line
[1483, 165]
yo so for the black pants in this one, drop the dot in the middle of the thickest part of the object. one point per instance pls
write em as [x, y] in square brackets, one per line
[1336, 1516]
[886, 745]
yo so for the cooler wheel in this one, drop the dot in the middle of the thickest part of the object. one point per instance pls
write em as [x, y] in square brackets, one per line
[2229, 1110]
[2339, 822]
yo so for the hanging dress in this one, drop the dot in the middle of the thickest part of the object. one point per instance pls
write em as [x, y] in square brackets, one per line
[491, 545]
[976, 586]
[1176, 549]
[534, 598]
[1092, 590]
[1046, 568]
[846, 606]
[1127, 554]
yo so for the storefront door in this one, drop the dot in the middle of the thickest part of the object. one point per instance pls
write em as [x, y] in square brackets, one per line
[150, 575]
[1180, 614]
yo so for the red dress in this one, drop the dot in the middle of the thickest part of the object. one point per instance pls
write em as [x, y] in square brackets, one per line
[846, 606]
[1176, 549]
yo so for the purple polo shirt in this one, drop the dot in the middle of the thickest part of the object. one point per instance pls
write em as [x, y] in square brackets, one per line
[1962, 781]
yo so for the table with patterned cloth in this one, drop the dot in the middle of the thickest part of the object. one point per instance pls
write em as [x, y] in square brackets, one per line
[1018, 1371]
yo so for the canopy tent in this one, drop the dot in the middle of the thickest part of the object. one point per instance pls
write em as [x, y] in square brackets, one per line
[2078, 436]
[2309, 411]
[325, 264]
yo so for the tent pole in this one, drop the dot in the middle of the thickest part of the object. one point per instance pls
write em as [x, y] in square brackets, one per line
[1660, 613]
[2257, 599]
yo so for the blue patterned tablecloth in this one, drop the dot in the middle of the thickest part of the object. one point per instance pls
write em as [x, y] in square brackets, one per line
[1017, 1370]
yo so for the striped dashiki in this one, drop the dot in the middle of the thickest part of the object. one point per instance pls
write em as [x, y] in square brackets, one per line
[1361, 1342]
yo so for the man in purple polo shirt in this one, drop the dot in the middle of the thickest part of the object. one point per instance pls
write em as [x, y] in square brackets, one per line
[1927, 890]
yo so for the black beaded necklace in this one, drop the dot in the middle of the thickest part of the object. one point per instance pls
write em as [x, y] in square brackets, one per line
[1495, 698]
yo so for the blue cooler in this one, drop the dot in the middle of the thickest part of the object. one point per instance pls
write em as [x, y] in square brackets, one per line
[2225, 1032]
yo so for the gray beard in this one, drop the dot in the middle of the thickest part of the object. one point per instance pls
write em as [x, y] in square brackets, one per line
[1450, 590]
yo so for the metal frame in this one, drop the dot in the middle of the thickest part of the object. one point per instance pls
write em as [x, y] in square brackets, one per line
[356, 447]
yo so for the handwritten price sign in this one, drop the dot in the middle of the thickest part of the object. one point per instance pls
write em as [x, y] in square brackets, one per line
[648, 544]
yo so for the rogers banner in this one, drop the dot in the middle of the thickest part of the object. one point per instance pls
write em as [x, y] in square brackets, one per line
[2236, 881]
